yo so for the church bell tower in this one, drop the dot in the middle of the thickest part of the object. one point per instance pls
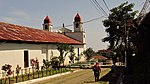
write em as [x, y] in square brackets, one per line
[47, 24]
[78, 33]
[78, 23]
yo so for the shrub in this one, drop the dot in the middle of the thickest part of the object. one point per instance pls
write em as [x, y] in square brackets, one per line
[7, 69]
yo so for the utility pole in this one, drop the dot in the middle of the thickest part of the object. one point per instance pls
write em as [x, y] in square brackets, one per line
[125, 41]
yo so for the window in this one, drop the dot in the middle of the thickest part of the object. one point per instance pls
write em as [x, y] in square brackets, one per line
[44, 53]
[78, 51]
[46, 27]
[26, 59]
[77, 25]
[83, 36]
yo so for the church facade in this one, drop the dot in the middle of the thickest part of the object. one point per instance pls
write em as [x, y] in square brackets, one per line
[20, 44]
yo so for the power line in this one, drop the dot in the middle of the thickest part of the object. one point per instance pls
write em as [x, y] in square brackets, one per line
[106, 5]
[82, 22]
[93, 19]
[96, 7]
[99, 6]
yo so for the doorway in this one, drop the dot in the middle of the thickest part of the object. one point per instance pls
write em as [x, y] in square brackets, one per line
[26, 59]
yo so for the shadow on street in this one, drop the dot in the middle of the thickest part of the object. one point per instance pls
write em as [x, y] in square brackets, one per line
[112, 77]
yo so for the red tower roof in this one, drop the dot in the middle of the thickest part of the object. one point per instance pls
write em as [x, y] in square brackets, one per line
[47, 20]
[77, 18]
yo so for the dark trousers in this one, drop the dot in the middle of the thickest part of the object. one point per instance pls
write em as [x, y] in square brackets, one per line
[96, 74]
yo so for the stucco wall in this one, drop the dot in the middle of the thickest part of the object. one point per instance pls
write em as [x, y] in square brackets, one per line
[13, 53]
[80, 36]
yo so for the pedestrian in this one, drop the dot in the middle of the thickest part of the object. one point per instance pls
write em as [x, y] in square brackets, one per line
[97, 71]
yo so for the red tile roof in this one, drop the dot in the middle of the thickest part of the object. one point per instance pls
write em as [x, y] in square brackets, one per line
[106, 51]
[16, 33]
[99, 57]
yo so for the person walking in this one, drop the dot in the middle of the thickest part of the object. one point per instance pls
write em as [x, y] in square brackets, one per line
[97, 71]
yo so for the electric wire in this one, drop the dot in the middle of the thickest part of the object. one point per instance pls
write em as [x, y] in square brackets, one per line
[96, 7]
[99, 6]
[106, 5]
[93, 19]
[82, 22]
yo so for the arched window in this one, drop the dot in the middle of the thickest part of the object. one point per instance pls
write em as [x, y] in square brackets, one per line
[77, 25]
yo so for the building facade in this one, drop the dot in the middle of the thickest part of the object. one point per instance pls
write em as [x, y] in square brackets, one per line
[20, 44]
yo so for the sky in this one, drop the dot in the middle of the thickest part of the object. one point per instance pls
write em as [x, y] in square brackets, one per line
[31, 13]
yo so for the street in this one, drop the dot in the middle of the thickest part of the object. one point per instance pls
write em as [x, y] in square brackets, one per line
[84, 76]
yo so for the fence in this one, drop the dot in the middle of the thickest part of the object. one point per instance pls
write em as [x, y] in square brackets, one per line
[29, 73]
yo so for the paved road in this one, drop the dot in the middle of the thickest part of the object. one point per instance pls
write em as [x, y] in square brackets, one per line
[81, 77]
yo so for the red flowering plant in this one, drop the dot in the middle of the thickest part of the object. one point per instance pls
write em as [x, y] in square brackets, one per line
[32, 62]
[7, 69]
[35, 63]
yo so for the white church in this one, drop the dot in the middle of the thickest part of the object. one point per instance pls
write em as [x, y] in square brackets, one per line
[20, 44]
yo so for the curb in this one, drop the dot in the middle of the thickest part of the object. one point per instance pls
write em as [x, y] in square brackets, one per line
[45, 78]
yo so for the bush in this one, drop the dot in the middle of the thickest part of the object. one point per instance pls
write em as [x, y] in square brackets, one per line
[7, 69]
[55, 62]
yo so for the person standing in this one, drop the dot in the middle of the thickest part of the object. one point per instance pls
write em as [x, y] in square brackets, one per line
[97, 71]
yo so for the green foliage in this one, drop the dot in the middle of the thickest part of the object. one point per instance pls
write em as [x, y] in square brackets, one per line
[115, 24]
[18, 68]
[64, 49]
[46, 63]
[106, 53]
[72, 54]
[88, 53]
[120, 26]
[55, 62]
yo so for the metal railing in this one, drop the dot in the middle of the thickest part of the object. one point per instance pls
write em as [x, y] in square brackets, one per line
[29, 74]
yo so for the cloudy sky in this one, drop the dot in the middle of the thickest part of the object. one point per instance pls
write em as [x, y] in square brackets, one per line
[31, 13]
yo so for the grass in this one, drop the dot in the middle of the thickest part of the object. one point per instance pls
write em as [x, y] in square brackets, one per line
[84, 76]
[30, 76]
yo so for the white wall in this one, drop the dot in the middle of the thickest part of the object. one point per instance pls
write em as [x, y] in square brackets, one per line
[13, 53]
[81, 49]
[80, 36]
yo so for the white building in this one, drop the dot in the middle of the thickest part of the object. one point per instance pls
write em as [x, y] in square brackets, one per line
[20, 44]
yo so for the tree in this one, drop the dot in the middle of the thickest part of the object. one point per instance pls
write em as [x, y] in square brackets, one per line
[77, 58]
[88, 53]
[54, 62]
[121, 29]
[64, 49]
[106, 53]
[72, 54]
[117, 22]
